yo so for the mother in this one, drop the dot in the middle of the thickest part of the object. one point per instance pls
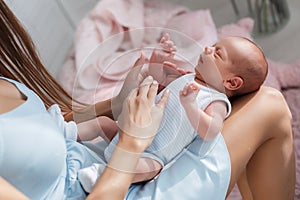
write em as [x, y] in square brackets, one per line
[257, 134]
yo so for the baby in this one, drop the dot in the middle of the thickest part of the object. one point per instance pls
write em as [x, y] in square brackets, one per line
[232, 67]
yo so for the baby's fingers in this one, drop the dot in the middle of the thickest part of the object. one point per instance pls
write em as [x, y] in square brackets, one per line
[184, 91]
[144, 87]
[193, 86]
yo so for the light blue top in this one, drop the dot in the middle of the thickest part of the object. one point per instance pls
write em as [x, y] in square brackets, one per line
[35, 156]
[38, 155]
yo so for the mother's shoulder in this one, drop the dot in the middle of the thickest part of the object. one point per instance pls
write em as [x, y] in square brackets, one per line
[9, 90]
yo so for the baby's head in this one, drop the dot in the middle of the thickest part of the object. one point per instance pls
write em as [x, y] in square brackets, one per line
[241, 64]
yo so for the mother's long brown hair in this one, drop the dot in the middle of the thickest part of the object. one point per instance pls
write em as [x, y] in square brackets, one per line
[19, 61]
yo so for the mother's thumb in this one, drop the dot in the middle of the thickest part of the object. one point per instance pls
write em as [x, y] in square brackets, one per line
[141, 60]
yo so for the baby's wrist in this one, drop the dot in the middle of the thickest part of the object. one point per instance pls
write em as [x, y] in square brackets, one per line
[189, 105]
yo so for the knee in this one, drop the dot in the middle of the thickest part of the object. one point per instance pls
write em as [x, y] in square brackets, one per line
[280, 114]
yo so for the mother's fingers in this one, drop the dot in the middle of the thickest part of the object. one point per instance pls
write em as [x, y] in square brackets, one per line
[153, 92]
[140, 117]
[141, 60]
[144, 87]
[163, 100]
[131, 99]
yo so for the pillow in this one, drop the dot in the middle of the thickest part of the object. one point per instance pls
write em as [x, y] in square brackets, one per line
[283, 76]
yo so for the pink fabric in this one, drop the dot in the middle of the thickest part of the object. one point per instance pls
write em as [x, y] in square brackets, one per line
[241, 28]
[97, 65]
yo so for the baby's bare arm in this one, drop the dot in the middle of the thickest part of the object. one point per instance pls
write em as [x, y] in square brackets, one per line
[207, 123]
[215, 114]
[102, 126]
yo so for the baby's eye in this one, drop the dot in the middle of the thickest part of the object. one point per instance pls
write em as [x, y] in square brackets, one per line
[218, 52]
[216, 55]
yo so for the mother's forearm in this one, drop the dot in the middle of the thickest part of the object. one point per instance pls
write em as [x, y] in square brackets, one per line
[120, 171]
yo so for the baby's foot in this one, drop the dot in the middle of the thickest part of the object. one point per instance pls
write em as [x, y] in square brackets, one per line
[189, 93]
[164, 53]
[88, 176]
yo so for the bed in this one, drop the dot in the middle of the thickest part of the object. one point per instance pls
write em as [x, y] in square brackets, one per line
[60, 31]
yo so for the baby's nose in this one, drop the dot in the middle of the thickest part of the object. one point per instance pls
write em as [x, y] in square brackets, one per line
[208, 50]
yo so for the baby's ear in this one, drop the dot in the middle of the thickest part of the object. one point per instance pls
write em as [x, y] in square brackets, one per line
[233, 83]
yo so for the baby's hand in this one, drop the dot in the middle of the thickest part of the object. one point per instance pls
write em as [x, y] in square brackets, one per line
[189, 93]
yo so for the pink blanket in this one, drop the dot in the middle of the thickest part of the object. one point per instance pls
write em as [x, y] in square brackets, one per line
[104, 51]
[92, 72]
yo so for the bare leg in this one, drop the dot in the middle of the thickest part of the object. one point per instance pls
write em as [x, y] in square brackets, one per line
[264, 147]
[146, 169]
[272, 167]
[101, 126]
[243, 185]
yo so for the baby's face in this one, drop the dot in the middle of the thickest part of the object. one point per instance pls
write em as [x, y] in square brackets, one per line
[217, 63]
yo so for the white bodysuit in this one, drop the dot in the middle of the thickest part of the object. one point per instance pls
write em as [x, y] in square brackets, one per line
[176, 132]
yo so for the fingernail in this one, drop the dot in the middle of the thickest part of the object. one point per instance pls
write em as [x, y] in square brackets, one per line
[150, 77]
[155, 82]
[148, 80]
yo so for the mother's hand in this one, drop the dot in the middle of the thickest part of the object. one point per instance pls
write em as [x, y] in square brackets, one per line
[167, 72]
[138, 122]
[141, 117]
[132, 80]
